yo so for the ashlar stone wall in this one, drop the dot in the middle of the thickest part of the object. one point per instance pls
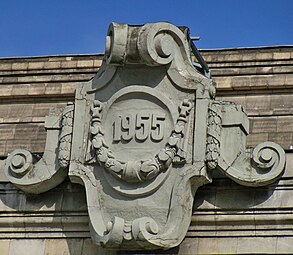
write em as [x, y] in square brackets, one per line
[227, 218]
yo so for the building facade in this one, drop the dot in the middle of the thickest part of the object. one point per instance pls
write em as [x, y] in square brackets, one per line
[227, 218]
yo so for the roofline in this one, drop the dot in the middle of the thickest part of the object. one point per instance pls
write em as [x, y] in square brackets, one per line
[248, 48]
[102, 54]
[54, 56]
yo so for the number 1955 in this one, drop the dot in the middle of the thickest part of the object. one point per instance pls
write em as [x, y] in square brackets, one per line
[140, 126]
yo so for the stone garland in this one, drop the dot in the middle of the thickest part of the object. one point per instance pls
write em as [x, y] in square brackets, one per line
[140, 170]
[66, 136]
[214, 129]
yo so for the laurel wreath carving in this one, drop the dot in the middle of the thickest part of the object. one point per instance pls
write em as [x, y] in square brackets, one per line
[139, 170]
[65, 137]
[214, 130]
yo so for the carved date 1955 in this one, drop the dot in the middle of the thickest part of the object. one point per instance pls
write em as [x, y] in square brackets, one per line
[140, 126]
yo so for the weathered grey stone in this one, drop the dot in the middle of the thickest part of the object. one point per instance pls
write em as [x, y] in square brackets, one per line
[222, 119]
[50, 170]
[143, 135]
[26, 247]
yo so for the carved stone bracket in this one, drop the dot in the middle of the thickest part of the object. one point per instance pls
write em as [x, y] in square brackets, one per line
[226, 148]
[35, 175]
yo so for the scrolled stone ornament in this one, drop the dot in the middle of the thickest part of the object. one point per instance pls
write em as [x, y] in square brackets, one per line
[165, 44]
[19, 163]
[266, 166]
[146, 134]
[34, 175]
[144, 228]
[228, 127]
[269, 157]
[154, 44]
[157, 43]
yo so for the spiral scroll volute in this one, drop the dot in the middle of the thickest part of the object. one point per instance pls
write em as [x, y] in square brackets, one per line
[19, 163]
[156, 44]
[265, 165]
[269, 159]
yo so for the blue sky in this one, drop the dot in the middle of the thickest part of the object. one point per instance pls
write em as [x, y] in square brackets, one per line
[36, 27]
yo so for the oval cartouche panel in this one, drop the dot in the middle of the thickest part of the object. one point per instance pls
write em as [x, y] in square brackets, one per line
[138, 122]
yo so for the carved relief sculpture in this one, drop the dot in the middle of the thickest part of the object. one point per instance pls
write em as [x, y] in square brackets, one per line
[142, 136]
